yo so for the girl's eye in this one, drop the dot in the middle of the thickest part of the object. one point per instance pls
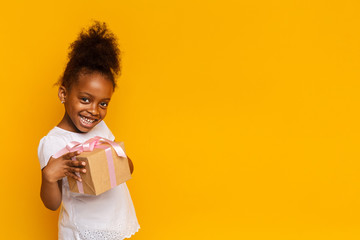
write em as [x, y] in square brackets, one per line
[84, 99]
[104, 104]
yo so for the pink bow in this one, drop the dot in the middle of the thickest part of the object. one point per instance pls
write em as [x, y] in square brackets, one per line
[89, 146]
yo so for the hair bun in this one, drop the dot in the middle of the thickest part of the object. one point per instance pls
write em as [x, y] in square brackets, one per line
[95, 49]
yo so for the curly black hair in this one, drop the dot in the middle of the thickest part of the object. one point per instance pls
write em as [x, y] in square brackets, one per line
[95, 50]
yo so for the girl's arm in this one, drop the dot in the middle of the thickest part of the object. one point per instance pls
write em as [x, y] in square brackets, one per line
[50, 193]
[52, 174]
[131, 165]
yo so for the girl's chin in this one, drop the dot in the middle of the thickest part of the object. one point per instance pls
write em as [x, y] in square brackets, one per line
[84, 129]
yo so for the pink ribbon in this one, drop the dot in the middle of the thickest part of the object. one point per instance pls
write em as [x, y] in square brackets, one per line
[89, 146]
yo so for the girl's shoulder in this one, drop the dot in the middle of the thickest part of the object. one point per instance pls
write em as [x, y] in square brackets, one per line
[49, 145]
[55, 136]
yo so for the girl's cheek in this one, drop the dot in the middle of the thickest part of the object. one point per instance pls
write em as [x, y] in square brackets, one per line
[103, 113]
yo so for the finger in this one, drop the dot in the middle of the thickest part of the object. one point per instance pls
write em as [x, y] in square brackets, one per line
[74, 169]
[77, 163]
[70, 155]
[72, 175]
[74, 163]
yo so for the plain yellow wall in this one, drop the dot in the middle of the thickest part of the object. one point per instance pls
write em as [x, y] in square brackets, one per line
[241, 117]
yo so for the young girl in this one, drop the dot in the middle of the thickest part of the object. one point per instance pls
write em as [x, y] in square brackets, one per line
[85, 90]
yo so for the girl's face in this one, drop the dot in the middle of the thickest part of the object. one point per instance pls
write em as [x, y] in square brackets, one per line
[85, 102]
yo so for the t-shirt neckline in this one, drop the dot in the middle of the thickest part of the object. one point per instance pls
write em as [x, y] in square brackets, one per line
[64, 130]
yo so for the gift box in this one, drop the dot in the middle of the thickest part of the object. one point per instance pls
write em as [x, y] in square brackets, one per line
[106, 166]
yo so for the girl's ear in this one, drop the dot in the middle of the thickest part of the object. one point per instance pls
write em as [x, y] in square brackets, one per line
[62, 94]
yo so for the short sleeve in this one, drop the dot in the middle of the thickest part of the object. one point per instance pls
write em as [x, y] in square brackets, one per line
[48, 146]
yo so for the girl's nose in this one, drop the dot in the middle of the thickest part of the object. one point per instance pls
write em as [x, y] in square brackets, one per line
[94, 110]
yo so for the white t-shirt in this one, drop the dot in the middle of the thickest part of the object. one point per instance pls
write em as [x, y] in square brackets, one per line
[110, 215]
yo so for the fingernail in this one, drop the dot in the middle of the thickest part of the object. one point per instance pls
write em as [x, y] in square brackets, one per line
[78, 152]
[84, 170]
[80, 180]
[83, 163]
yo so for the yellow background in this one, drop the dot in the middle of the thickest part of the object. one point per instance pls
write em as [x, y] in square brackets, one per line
[241, 117]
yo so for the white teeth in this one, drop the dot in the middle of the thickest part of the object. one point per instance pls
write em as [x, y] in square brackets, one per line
[87, 120]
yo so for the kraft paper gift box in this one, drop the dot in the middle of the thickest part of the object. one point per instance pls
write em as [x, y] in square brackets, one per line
[97, 178]
[105, 169]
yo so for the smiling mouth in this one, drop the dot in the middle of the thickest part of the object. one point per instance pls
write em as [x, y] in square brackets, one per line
[87, 121]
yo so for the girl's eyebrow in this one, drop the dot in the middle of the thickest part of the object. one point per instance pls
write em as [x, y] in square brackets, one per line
[92, 95]
[85, 93]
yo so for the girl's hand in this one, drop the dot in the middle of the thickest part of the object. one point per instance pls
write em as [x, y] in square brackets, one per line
[57, 168]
